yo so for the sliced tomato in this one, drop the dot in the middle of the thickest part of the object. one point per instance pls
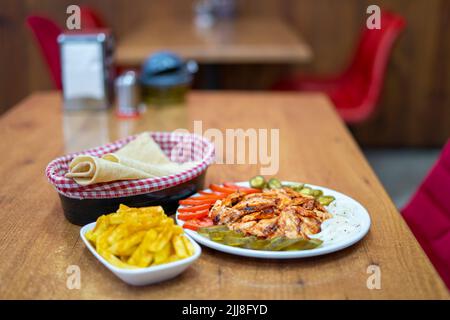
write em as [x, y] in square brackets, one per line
[217, 188]
[219, 194]
[205, 197]
[196, 202]
[231, 185]
[250, 190]
[242, 189]
[194, 208]
[193, 215]
[195, 224]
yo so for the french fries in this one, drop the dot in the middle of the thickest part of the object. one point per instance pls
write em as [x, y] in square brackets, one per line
[139, 237]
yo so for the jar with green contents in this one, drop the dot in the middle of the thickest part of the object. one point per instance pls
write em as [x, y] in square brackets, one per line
[166, 78]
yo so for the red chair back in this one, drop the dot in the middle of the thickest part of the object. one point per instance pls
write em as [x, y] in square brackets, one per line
[362, 82]
[428, 215]
[355, 91]
[90, 19]
[46, 34]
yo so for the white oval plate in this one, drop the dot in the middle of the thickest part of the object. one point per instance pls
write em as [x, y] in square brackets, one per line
[350, 223]
[143, 276]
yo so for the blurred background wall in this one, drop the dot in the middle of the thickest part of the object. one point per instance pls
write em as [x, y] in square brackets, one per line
[415, 104]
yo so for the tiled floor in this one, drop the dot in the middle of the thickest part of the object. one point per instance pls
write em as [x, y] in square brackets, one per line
[401, 170]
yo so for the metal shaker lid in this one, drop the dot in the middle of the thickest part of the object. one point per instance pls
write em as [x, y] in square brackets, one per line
[127, 79]
[127, 93]
[167, 69]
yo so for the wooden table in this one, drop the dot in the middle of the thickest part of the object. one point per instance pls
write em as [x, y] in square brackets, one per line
[37, 244]
[245, 40]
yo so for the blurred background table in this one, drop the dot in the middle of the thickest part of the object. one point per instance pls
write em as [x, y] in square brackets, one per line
[37, 244]
[241, 40]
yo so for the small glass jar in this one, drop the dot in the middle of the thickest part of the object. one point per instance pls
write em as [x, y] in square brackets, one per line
[166, 79]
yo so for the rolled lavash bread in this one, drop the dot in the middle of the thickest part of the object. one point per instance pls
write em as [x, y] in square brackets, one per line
[86, 170]
[155, 170]
[141, 158]
[143, 149]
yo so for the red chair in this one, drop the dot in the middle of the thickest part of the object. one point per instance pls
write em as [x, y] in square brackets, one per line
[46, 33]
[428, 215]
[355, 91]
[90, 19]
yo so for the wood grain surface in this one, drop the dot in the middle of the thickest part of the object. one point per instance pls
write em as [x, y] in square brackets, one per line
[37, 244]
[245, 40]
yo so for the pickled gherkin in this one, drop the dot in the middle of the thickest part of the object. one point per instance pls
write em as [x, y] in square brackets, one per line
[280, 243]
[325, 200]
[257, 244]
[220, 227]
[317, 193]
[296, 187]
[258, 182]
[223, 235]
[303, 244]
[217, 236]
[274, 184]
[236, 240]
[306, 191]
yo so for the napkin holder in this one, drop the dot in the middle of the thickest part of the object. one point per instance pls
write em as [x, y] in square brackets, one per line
[87, 69]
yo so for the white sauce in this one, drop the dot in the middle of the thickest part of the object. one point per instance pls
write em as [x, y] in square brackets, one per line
[343, 224]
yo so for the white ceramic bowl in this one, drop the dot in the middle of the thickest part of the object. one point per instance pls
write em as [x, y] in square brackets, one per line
[144, 276]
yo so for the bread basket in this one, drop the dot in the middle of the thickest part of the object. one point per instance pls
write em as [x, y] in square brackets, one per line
[84, 204]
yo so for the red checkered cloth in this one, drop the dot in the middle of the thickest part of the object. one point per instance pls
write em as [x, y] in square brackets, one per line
[179, 147]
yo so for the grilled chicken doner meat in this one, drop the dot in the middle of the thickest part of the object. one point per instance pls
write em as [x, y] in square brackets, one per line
[289, 224]
[271, 213]
[263, 228]
[221, 214]
[256, 204]
[264, 214]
